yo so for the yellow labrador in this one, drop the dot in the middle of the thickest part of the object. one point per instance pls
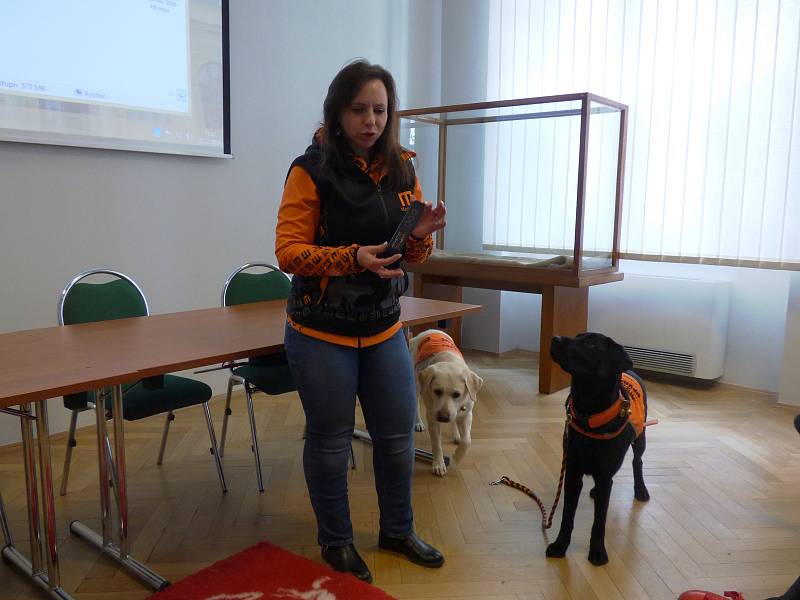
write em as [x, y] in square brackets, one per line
[447, 388]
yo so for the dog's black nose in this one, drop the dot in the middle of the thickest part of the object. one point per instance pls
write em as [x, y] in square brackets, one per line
[442, 417]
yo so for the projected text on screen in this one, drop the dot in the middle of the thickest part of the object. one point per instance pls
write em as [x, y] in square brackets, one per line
[57, 55]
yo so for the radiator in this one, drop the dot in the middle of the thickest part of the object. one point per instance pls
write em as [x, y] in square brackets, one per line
[666, 324]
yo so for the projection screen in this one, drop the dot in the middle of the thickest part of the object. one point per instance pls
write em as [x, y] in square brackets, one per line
[143, 75]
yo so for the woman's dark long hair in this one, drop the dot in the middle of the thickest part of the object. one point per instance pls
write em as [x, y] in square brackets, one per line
[336, 152]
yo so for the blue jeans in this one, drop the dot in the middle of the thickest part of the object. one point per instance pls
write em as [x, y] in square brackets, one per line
[328, 378]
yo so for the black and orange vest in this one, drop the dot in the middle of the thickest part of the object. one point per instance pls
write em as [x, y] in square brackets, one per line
[353, 210]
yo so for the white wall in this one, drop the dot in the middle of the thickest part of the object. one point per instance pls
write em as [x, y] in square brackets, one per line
[423, 70]
[464, 56]
[179, 225]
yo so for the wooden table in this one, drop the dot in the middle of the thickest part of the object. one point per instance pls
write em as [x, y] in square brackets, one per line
[45, 363]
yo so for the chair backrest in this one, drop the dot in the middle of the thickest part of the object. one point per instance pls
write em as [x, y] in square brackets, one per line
[84, 302]
[243, 287]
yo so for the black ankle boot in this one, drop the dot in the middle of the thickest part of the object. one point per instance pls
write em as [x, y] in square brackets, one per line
[413, 548]
[346, 559]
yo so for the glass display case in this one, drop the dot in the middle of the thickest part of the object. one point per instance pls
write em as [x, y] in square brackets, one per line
[532, 184]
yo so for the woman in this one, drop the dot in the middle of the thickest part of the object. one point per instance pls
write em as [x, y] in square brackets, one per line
[342, 200]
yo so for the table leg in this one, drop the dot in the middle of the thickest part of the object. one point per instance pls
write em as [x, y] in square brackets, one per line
[49, 582]
[122, 483]
[120, 553]
[48, 498]
[31, 490]
[565, 311]
[103, 465]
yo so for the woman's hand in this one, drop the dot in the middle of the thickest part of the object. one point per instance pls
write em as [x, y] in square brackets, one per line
[432, 219]
[367, 257]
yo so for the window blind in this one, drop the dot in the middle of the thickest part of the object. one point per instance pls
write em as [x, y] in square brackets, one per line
[713, 150]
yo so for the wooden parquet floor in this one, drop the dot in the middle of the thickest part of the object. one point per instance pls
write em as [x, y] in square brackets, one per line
[723, 469]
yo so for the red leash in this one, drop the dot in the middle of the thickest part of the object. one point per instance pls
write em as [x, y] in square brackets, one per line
[547, 522]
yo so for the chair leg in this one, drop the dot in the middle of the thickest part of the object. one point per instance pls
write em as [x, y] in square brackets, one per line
[352, 457]
[214, 449]
[9, 541]
[170, 419]
[224, 434]
[253, 437]
[71, 443]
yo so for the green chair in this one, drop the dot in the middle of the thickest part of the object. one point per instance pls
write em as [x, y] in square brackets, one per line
[118, 298]
[256, 282]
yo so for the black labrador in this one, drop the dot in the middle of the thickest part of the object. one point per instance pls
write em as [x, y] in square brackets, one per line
[607, 408]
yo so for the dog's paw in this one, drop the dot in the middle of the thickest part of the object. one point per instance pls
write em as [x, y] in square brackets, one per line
[598, 557]
[439, 468]
[419, 426]
[556, 550]
[641, 493]
[460, 452]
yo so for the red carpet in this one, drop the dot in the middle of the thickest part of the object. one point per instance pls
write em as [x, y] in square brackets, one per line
[264, 572]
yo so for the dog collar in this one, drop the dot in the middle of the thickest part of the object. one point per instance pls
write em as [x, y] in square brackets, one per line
[620, 408]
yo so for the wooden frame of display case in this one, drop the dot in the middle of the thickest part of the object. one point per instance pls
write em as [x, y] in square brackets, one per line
[565, 292]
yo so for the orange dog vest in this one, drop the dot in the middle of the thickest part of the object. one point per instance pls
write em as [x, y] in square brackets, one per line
[434, 343]
[636, 395]
[630, 404]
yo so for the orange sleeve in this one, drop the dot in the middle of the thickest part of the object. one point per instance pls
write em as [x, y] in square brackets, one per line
[298, 221]
[418, 250]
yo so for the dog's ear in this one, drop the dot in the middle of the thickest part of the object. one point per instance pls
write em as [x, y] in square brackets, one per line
[474, 384]
[426, 376]
[615, 361]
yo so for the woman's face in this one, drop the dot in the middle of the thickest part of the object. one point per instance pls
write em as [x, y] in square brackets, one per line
[364, 120]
